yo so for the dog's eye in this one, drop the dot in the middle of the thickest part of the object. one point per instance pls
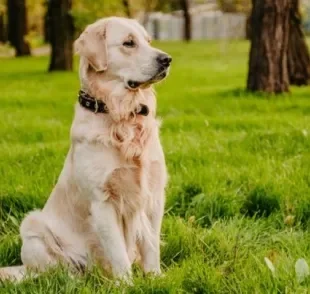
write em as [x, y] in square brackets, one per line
[129, 44]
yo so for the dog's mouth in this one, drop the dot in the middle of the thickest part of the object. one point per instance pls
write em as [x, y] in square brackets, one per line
[160, 75]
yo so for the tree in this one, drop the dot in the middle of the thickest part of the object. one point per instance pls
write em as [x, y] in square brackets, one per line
[187, 19]
[127, 8]
[268, 69]
[2, 28]
[17, 27]
[61, 34]
[298, 54]
[46, 23]
[234, 5]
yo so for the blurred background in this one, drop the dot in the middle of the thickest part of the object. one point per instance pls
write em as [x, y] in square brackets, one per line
[28, 25]
[238, 159]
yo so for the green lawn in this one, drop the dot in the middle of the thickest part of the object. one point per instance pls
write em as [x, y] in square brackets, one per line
[239, 168]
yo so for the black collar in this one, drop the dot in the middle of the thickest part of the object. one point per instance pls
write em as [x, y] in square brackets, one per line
[98, 106]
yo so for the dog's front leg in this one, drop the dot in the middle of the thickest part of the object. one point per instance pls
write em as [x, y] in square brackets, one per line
[150, 245]
[107, 225]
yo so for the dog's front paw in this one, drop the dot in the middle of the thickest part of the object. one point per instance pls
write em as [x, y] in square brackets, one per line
[125, 279]
[155, 272]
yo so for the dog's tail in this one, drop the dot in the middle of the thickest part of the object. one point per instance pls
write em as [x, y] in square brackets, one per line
[12, 273]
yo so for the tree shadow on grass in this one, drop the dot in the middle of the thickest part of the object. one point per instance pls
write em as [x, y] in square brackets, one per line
[16, 77]
[244, 93]
[31, 74]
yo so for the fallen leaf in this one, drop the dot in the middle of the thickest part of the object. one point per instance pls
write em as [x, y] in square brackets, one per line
[301, 270]
[270, 265]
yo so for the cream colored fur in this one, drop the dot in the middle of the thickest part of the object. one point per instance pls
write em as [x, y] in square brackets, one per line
[108, 203]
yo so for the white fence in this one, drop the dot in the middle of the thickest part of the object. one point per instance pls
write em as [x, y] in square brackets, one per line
[207, 25]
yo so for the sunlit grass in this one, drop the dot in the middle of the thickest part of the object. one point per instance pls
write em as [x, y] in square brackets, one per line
[239, 168]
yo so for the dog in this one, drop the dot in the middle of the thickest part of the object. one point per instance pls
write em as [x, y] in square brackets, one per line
[108, 203]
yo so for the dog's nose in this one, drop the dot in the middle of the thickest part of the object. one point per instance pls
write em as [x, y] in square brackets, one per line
[164, 59]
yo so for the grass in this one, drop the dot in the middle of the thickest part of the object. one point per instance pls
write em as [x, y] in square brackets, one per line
[239, 168]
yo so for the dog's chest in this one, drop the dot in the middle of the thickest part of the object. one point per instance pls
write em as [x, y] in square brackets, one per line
[128, 188]
[120, 163]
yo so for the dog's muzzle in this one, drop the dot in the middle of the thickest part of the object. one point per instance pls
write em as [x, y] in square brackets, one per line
[163, 62]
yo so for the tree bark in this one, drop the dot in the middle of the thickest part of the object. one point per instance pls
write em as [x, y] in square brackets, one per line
[248, 29]
[156, 28]
[46, 21]
[127, 8]
[17, 27]
[61, 35]
[298, 54]
[3, 36]
[147, 10]
[268, 70]
[187, 20]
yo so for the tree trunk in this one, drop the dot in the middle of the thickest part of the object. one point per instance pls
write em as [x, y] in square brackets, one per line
[127, 8]
[46, 28]
[298, 54]
[3, 36]
[187, 20]
[46, 22]
[146, 12]
[61, 35]
[156, 28]
[17, 27]
[248, 29]
[269, 44]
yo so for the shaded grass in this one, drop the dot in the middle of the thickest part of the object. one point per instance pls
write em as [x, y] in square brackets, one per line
[238, 163]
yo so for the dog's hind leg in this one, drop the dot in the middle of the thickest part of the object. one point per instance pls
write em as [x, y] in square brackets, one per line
[43, 248]
[40, 247]
[36, 252]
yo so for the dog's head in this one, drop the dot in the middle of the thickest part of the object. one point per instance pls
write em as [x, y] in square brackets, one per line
[119, 49]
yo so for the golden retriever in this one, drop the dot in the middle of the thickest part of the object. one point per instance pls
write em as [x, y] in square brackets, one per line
[108, 203]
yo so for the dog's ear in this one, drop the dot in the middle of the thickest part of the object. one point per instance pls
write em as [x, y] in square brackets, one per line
[93, 46]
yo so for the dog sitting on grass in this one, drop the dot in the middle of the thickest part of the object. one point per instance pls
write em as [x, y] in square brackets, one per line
[108, 203]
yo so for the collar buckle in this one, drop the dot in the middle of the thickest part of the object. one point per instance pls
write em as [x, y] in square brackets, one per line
[96, 106]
